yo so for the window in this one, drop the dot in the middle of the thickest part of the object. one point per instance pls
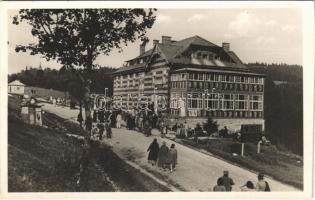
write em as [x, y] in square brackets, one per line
[216, 77]
[231, 78]
[174, 102]
[200, 77]
[241, 102]
[194, 101]
[204, 56]
[256, 102]
[228, 102]
[212, 102]
[223, 78]
[237, 79]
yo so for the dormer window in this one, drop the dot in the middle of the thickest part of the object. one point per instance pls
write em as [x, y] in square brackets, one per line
[199, 55]
[204, 56]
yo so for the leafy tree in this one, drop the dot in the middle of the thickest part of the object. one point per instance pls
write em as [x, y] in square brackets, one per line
[210, 126]
[76, 37]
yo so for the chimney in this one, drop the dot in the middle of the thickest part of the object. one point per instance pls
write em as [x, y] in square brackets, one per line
[155, 42]
[166, 40]
[226, 46]
[142, 48]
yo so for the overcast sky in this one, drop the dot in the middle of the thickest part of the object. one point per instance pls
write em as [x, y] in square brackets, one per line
[264, 35]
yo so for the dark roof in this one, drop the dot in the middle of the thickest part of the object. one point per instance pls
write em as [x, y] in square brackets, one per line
[132, 67]
[234, 57]
[209, 69]
[170, 52]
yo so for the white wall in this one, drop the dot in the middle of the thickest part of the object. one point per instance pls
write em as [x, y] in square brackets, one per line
[13, 89]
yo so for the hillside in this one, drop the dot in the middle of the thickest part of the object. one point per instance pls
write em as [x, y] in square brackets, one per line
[44, 159]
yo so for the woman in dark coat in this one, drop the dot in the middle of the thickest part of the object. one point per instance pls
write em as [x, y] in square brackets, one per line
[163, 156]
[153, 152]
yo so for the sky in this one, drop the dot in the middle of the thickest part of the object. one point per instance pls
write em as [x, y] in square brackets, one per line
[272, 35]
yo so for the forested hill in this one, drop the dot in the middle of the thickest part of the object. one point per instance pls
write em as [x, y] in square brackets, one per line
[62, 79]
[278, 72]
[283, 104]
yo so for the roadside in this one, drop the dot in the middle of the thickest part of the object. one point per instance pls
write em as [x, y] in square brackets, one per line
[287, 168]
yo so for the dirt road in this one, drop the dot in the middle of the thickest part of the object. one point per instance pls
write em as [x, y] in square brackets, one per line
[195, 172]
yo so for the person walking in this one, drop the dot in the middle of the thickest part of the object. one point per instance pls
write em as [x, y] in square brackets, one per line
[248, 187]
[101, 130]
[108, 129]
[220, 186]
[118, 120]
[173, 157]
[148, 127]
[262, 185]
[163, 155]
[186, 127]
[227, 181]
[153, 152]
[163, 129]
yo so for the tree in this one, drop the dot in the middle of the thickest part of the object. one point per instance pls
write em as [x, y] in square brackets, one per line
[210, 126]
[76, 37]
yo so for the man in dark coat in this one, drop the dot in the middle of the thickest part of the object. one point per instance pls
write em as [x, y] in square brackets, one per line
[228, 182]
[153, 152]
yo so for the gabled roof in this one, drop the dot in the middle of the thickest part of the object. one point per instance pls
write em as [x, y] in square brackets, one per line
[171, 51]
[234, 57]
[194, 40]
[16, 83]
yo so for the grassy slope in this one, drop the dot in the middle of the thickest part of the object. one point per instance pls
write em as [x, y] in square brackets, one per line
[44, 93]
[277, 164]
[35, 157]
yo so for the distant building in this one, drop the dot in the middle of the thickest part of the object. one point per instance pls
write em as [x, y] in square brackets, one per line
[16, 87]
[199, 80]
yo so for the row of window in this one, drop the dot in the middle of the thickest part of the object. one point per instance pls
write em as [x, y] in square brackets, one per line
[221, 102]
[220, 113]
[215, 85]
[217, 78]
[205, 55]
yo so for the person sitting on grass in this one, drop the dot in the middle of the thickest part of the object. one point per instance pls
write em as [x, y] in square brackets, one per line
[262, 185]
[248, 187]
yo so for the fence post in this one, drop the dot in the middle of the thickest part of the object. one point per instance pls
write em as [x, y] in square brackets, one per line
[258, 147]
[242, 151]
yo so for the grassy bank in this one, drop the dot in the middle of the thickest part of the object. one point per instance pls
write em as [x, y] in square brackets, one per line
[282, 166]
[44, 159]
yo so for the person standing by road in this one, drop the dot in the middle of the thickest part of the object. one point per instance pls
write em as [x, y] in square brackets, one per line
[262, 185]
[153, 152]
[227, 181]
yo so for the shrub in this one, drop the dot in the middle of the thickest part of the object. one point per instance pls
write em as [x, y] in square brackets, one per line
[210, 126]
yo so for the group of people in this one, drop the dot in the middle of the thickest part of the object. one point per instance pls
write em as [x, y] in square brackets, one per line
[225, 183]
[164, 157]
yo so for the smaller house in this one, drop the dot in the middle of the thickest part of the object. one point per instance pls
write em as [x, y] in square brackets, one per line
[16, 87]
